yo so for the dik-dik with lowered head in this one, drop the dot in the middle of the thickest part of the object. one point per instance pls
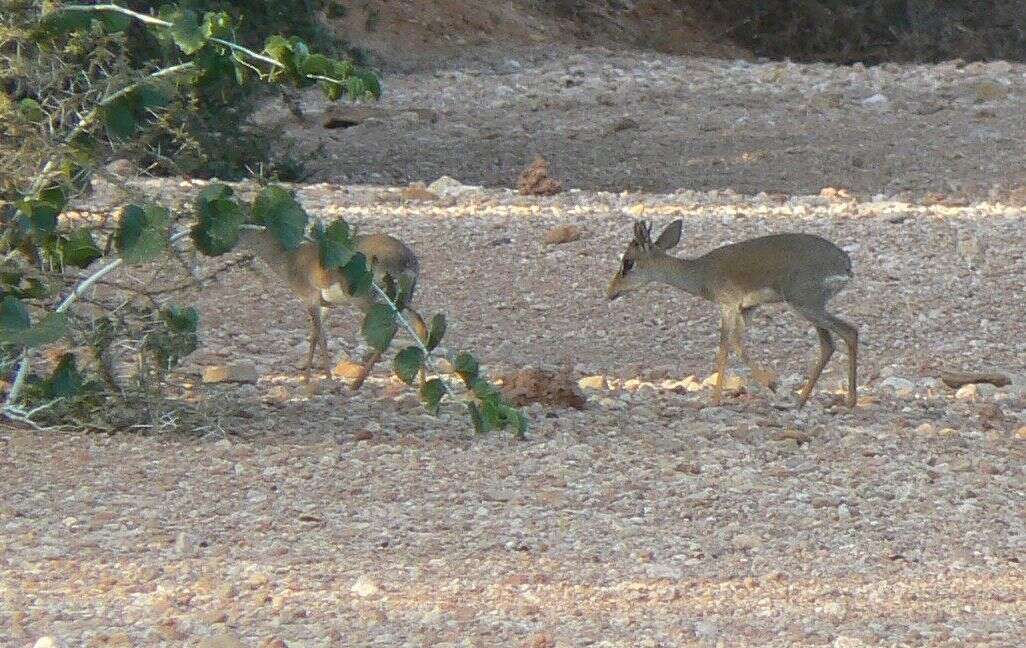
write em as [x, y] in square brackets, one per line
[802, 270]
[318, 287]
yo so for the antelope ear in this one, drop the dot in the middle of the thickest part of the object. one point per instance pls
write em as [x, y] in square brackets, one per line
[642, 233]
[670, 236]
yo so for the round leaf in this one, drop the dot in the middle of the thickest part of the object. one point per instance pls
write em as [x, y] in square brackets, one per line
[466, 366]
[142, 233]
[186, 30]
[437, 331]
[431, 394]
[279, 212]
[408, 363]
[334, 243]
[79, 249]
[379, 327]
[219, 217]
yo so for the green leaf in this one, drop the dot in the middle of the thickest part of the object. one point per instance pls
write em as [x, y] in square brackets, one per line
[31, 110]
[280, 49]
[119, 117]
[379, 327]
[151, 95]
[115, 21]
[483, 389]
[39, 216]
[64, 382]
[480, 426]
[357, 276]
[466, 366]
[371, 83]
[431, 393]
[217, 24]
[178, 339]
[355, 87]
[406, 286]
[408, 363]
[334, 243]
[317, 64]
[142, 233]
[186, 30]
[16, 327]
[436, 331]
[55, 195]
[14, 316]
[79, 249]
[219, 217]
[62, 21]
[278, 211]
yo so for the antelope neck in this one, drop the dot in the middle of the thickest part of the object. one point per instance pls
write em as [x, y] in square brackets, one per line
[686, 274]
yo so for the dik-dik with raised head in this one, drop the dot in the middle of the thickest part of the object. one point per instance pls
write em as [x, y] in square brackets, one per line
[318, 287]
[802, 270]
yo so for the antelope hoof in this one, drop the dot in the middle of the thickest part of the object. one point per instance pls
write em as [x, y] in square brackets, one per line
[358, 381]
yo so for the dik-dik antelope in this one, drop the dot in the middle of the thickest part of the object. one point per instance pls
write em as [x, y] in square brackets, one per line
[802, 270]
[318, 287]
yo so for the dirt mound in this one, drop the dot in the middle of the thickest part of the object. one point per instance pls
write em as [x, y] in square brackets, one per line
[423, 33]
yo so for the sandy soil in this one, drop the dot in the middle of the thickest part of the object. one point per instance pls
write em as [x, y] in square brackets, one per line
[649, 518]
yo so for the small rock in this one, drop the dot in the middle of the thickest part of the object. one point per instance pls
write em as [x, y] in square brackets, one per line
[612, 403]
[274, 642]
[597, 382]
[364, 587]
[540, 640]
[241, 372]
[46, 642]
[622, 124]
[214, 616]
[562, 234]
[536, 181]
[363, 435]
[988, 90]
[876, 101]
[897, 383]
[664, 571]
[223, 640]
[418, 192]
[1020, 433]
[348, 370]
[968, 392]
[731, 384]
[446, 187]
[277, 394]
[926, 428]
[747, 541]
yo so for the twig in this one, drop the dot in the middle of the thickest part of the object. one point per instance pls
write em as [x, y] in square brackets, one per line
[86, 284]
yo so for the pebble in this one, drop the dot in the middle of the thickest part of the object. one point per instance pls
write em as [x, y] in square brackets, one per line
[365, 587]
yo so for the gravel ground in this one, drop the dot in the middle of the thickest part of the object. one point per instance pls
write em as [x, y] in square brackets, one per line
[615, 120]
[648, 519]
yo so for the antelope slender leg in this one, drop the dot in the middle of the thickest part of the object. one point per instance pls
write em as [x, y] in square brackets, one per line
[325, 355]
[721, 359]
[763, 376]
[826, 349]
[368, 364]
[315, 332]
